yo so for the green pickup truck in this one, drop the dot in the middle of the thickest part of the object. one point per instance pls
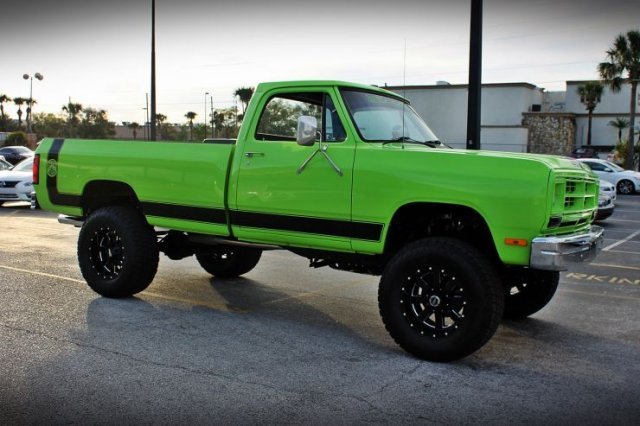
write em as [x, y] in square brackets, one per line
[350, 177]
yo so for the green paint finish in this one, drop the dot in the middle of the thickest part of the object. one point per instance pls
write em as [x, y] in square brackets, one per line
[515, 194]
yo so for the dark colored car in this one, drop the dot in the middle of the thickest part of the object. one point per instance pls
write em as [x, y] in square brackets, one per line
[584, 153]
[15, 154]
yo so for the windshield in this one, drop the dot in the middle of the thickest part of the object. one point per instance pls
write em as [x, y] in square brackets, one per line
[24, 165]
[382, 118]
[615, 167]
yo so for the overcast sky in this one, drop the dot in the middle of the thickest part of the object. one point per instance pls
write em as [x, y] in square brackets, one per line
[98, 52]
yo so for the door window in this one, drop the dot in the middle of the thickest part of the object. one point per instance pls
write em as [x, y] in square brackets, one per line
[279, 119]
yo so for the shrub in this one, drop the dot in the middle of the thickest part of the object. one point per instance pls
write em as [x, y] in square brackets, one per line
[16, 138]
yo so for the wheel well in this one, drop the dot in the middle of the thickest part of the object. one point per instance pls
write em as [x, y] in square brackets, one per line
[420, 220]
[103, 193]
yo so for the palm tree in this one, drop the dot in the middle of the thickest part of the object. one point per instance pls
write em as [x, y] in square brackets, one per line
[3, 117]
[134, 127]
[244, 94]
[73, 109]
[30, 103]
[619, 123]
[19, 102]
[190, 116]
[624, 56]
[590, 94]
[160, 118]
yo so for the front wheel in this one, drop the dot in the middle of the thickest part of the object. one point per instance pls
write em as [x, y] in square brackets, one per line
[528, 291]
[225, 261]
[117, 251]
[626, 187]
[440, 299]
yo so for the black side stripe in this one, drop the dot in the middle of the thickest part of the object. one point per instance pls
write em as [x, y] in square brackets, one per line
[174, 211]
[311, 225]
[52, 181]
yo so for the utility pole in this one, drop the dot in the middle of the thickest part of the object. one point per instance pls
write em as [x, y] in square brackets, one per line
[475, 77]
[152, 123]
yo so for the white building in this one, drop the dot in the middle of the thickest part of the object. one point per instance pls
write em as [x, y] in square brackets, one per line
[611, 106]
[444, 108]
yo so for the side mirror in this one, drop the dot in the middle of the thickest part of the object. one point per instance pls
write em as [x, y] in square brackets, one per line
[307, 129]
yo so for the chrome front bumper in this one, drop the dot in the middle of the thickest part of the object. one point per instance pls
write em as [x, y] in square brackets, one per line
[558, 253]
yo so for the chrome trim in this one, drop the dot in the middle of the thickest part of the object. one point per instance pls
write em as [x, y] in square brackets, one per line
[70, 220]
[558, 253]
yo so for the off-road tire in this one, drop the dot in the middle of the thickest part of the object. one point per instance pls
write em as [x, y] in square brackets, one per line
[226, 261]
[527, 291]
[117, 252]
[440, 299]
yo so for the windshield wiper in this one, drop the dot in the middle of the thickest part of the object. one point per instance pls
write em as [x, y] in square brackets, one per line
[403, 139]
[432, 144]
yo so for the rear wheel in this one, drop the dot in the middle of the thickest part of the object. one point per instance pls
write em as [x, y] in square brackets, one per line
[117, 251]
[528, 291]
[440, 299]
[225, 261]
[626, 187]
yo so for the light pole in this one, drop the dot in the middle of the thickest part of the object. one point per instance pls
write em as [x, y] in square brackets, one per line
[205, 114]
[30, 77]
[213, 126]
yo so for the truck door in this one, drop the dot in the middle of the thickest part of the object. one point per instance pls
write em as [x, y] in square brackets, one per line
[290, 194]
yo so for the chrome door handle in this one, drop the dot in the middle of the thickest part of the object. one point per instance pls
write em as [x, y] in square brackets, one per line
[251, 154]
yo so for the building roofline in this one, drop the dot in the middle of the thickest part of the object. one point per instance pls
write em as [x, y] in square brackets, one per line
[460, 86]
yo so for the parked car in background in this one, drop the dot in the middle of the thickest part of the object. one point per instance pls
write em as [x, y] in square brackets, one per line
[15, 154]
[16, 184]
[609, 189]
[626, 181]
[605, 207]
[4, 164]
[584, 153]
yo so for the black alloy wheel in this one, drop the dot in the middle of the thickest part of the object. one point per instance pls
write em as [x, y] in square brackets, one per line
[106, 250]
[440, 299]
[626, 187]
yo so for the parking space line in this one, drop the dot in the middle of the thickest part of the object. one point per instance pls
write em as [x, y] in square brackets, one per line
[623, 220]
[606, 265]
[623, 251]
[42, 274]
[614, 245]
[600, 295]
[218, 306]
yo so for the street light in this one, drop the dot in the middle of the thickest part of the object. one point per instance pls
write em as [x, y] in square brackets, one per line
[205, 114]
[30, 77]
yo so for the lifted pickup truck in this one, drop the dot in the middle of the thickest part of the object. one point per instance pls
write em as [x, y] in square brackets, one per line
[350, 177]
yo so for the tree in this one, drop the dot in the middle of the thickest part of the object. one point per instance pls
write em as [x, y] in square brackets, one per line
[19, 102]
[96, 125]
[590, 94]
[619, 123]
[160, 118]
[49, 125]
[190, 116]
[30, 102]
[134, 127]
[3, 116]
[623, 57]
[73, 110]
[244, 94]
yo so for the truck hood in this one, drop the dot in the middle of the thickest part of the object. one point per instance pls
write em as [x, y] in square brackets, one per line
[553, 162]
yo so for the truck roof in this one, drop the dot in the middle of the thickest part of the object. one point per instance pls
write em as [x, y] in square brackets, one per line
[324, 83]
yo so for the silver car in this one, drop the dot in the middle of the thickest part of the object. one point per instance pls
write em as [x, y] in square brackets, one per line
[16, 184]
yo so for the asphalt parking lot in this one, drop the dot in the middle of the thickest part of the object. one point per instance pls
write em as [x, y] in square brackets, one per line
[289, 344]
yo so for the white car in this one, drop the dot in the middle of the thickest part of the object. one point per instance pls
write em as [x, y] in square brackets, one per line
[626, 181]
[609, 189]
[16, 184]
